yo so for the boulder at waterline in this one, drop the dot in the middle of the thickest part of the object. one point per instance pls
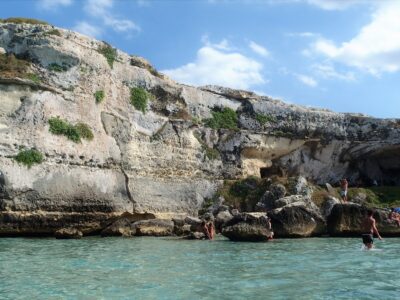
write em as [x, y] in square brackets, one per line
[155, 227]
[297, 220]
[121, 227]
[346, 220]
[248, 227]
[68, 233]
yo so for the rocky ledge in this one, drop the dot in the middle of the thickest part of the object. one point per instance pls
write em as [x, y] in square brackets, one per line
[89, 133]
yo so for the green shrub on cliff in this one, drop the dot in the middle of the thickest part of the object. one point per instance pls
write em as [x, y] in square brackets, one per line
[62, 127]
[84, 131]
[139, 98]
[53, 32]
[55, 67]
[225, 118]
[72, 132]
[29, 157]
[99, 96]
[23, 21]
[262, 119]
[33, 77]
[109, 53]
[244, 193]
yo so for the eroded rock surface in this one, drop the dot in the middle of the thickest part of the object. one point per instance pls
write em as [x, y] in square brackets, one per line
[164, 162]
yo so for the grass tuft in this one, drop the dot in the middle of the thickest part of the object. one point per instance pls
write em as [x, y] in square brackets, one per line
[17, 20]
[84, 131]
[99, 96]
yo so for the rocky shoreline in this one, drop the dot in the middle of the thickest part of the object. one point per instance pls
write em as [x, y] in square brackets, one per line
[290, 216]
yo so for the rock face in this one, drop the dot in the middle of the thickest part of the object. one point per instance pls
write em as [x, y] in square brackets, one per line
[346, 220]
[248, 227]
[68, 233]
[297, 220]
[156, 227]
[162, 162]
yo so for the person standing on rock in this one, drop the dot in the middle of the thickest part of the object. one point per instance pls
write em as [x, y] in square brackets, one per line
[369, 227]
[269, 227]
[343, 189]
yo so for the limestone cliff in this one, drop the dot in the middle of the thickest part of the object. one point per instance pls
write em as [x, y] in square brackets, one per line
[163, 159]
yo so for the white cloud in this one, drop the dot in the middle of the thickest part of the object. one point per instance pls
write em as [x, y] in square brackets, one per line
[101, 9]
[307, 80]
[328, 71]
[375, 49]
[260, 50]
[336, 4]
[215, 66]
[143, 2]
[222, 45]
[52, 4]
[87, 29]
[302, 34]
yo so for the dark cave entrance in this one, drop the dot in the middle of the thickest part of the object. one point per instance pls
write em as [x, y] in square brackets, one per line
[271, 171]
[379, 168]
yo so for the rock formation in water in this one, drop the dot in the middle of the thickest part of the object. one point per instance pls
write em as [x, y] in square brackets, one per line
[108, 135]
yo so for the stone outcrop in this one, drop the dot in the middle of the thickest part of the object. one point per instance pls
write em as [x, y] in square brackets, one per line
[68, 233]
[155, 227]
[297, 219]
[248, 227]
[162, 162]
[346, 220]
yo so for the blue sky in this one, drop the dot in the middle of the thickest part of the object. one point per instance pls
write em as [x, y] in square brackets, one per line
[343, 55]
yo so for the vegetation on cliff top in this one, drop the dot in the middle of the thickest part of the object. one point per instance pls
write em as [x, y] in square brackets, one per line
[18, 20]
[109, 53]
[72, 132]
[222, 118]
[29, 157]
[53, 32]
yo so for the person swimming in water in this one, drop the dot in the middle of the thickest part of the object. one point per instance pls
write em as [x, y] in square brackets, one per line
[369, 227]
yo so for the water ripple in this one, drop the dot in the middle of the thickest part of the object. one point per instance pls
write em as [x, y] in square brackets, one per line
[167, 268]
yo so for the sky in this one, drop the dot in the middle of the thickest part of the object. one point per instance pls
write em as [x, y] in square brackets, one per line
[343, 55]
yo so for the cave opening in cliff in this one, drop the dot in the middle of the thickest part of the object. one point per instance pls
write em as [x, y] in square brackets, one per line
[270, 171]
[379, 168]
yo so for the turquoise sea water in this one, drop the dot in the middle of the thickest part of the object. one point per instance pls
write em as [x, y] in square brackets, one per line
[168, 268]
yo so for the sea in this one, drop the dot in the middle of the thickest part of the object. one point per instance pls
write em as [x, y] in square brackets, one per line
[172, 268]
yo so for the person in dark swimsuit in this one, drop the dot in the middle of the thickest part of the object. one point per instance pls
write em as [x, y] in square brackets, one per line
[369, 227]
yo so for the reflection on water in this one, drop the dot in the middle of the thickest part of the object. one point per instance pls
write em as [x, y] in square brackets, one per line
[168, 268]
